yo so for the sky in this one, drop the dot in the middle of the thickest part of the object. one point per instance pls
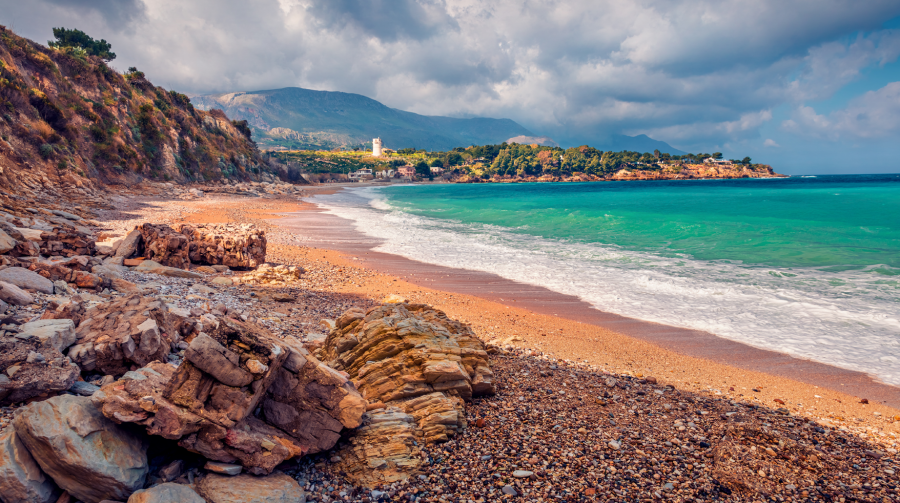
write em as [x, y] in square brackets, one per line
[809, 86]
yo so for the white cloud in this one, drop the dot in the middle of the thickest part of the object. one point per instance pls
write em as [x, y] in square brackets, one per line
[875, 114]
[770, 143]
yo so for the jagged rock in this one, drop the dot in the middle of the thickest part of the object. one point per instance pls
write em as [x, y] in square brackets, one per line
[124, 286]
[14, 295]
[166, 493]
[152, 267]
[66, 241]
[131, 246]
[85, 453]
[311, 401]
[32, 369]
[25, 279]
[421, 365]
[58, 334]
[164, 245]
[73, 309]
[233, 245]
[275, 488]
[21, 479]
[171, 471]
[63, 270]
[383, 450]
[131, 330]
[83, 388]
[271, 274]
[215, 381]
[7, 243]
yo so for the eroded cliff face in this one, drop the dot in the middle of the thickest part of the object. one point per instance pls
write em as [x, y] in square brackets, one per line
[67, 120]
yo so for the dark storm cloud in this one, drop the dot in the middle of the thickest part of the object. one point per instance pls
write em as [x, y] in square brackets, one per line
[117, 13]
[388, 20]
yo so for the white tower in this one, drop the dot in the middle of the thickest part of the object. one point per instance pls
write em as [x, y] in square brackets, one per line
[376, 147]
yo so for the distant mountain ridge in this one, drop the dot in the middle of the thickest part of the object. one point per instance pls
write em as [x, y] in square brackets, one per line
[294, 117]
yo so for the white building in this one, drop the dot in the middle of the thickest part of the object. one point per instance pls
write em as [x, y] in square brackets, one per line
[718, 162]
[362, 174]
[376, 147]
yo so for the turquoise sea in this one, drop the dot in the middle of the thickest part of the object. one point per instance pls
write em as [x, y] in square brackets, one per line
[809, 266]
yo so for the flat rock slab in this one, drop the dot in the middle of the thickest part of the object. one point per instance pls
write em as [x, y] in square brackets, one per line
[149, 266]
[274, 488]
[58, 334]
[167, 493]
[14, 295]
[21, 479]
[29, 369]
[7, 243]
[86, 454]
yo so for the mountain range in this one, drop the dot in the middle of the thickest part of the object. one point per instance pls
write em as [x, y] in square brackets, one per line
[297, 118]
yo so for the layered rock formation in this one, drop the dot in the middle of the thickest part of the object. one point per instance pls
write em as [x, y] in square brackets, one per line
[236, 246]
[422, 366]
[29, 368]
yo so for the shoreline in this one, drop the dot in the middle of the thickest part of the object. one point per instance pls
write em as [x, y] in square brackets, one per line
[321, 230]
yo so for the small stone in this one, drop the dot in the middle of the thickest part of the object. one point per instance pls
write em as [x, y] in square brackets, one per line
[614, 445]
[669, 486]
[522, 474]
[267, 445]
[510, 490]
[84, 388]
[223, 468]
[221, 280]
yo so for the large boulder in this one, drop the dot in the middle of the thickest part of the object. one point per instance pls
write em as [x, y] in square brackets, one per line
[168, 492]
[421, 365]
[29, 368]
[14, 295]
[164, 245]
[131, 246]
[86, 454]
[311, 401]
[113, 336]
[21, 479]
[234, 245]
[275, 488]
[25, 279]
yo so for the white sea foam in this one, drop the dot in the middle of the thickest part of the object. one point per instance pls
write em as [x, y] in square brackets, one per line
[848, 319]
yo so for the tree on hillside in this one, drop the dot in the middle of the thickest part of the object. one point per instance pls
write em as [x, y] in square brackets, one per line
[745, 161]
[423, 170]
[81, 40]
[717, 155]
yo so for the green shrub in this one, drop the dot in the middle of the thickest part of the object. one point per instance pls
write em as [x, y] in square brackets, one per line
[81, 40]
[46, 150]
[62, 165]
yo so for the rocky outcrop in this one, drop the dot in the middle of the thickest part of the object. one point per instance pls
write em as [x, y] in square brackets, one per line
[131, 246]
[422, 366]
[21, 479]
[275, 488]
[312, 402]
[210, 402]
[29, 369]
[86, 454]
[113, 336]
[57, 334]
[164, 245]
[233, 245]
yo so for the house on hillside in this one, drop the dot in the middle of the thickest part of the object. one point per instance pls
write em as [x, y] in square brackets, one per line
[718, 162]
[361, 174]
[406, 171]
[435, 170]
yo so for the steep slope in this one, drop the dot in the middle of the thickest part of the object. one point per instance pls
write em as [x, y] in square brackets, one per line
[295, 117]
[69, 121]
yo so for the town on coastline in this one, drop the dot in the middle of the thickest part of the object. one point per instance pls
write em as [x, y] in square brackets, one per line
[510, 163]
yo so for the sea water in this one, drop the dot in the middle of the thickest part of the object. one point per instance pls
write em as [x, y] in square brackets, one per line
[808, 266]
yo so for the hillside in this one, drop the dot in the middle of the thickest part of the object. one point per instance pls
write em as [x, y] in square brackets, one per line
[68, 121]
[301, 118]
